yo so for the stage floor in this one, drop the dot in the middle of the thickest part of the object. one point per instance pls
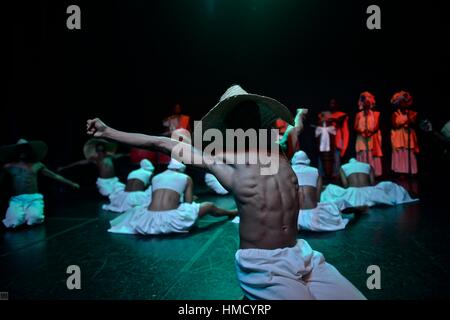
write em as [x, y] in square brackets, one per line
[410, 243]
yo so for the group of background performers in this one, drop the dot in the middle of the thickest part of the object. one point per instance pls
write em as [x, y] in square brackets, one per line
[333, 135]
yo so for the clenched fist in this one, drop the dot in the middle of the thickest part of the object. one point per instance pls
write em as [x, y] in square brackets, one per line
[96, 127]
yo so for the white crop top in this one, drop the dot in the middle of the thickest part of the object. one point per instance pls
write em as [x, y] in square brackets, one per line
[170, 179]
[306, 175]
[354, 166]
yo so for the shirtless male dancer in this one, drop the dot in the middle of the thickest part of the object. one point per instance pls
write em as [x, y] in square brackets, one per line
[100, 152]
[26, 204]
[271, 263]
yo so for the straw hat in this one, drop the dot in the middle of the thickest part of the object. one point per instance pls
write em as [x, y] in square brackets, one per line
[269, 109]
[89, 148]
[37, 150]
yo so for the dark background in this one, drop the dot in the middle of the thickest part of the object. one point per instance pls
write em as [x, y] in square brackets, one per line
[132, 60]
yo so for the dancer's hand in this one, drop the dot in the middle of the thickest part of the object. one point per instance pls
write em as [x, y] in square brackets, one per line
[96, 127]
[75, 186]
[302, 112]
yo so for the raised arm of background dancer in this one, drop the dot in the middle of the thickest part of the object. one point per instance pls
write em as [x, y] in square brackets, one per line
[48, 173]
[319, 187]
[344, 180]
[189, 191]
[372, 177]
[189, 156]
[75, 164]
[292, 132]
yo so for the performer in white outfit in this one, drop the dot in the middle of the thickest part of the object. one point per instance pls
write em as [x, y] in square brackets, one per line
[101, 153]
[137, 191]
[314, 215]
[167, 212]
[358, 180]
[23, 165]
[271, 262]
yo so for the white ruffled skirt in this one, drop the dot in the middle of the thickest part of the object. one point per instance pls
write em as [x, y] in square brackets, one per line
[140, 220]
[385, 192]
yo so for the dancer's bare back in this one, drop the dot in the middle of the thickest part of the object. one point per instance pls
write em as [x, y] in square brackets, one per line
[358, 180]
[268, 206]
[105, 167]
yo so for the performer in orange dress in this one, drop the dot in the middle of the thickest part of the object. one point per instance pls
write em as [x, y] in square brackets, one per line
[368, 139]
[403, 136]
[177, 121]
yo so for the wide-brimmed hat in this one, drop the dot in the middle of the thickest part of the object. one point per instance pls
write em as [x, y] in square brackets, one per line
[90, 146]
[37, 150]
[269, 109]
[402, 98]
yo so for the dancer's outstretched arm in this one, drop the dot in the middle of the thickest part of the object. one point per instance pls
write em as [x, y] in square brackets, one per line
[75, 164]
[59, 178]
[189, 155]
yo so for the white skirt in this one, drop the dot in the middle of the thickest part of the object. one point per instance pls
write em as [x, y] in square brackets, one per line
[325, 217]
[109, 185]
[121, 201]
[143, 221]
[385, 192]
[297, 273]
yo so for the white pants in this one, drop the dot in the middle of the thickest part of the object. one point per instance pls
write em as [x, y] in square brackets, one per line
[385, 192]
[297, 273]
[143, 221]
[25, 208]
[109, 185]
[325, 217]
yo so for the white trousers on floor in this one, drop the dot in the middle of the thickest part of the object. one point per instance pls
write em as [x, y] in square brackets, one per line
[25, 208]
